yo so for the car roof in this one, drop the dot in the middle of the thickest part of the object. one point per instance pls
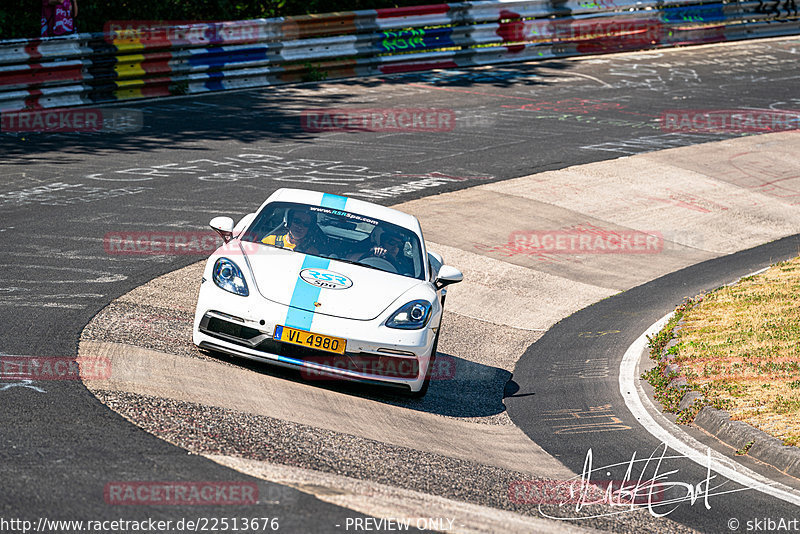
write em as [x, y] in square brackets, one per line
[353, 205]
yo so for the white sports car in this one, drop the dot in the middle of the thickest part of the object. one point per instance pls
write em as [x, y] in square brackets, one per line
[337, 287]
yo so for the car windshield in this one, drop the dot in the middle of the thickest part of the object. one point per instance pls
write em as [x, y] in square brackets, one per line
[338, 235]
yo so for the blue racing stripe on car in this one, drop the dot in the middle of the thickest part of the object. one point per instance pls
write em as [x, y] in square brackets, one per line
[334, 202]
[304, 296]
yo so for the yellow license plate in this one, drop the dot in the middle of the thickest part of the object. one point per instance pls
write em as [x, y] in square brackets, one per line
[309, 339]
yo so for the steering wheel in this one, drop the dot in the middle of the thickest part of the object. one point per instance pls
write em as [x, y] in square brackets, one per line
[376, 261]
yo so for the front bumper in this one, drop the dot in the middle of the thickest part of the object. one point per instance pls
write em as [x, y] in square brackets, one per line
[385, 362]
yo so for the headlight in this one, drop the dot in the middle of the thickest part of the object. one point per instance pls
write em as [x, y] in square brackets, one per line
[228, 276]
[412, 316]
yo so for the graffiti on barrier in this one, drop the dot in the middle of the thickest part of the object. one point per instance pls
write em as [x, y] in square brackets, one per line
[597, 4]
[711, 13]
[403, 39]
[416, 39]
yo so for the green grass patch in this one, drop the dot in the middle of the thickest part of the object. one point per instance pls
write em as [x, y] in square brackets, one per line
[740, 347]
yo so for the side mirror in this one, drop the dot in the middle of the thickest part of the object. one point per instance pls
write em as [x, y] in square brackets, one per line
[448, 275]
[435, 261]
[223, 226]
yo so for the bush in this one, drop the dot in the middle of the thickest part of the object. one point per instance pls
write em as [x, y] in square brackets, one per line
[21, 19]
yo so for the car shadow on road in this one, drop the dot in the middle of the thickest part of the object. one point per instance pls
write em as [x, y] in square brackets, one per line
[461, 388]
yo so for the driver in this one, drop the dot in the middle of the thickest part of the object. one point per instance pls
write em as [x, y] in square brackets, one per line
[301, 233]
[391, 249]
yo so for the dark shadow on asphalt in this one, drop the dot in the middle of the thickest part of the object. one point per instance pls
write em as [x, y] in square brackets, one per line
[472, 390]
[265, 114]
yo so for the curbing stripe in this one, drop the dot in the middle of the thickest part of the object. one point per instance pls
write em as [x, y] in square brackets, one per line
[738, 434]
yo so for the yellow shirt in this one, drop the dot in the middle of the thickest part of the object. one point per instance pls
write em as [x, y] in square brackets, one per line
[279, 240]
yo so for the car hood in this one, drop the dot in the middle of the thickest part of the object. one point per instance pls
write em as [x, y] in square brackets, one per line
[327, 287]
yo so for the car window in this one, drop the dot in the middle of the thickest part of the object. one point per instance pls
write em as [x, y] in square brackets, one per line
[338, 235]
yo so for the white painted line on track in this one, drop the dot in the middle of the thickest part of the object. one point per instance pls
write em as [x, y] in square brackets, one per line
[674, 437]
[765, 269]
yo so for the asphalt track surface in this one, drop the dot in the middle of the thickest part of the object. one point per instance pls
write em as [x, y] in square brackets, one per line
[570, 413]
[62, 193]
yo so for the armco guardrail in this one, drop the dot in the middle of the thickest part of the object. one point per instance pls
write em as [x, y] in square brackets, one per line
[151, 60]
